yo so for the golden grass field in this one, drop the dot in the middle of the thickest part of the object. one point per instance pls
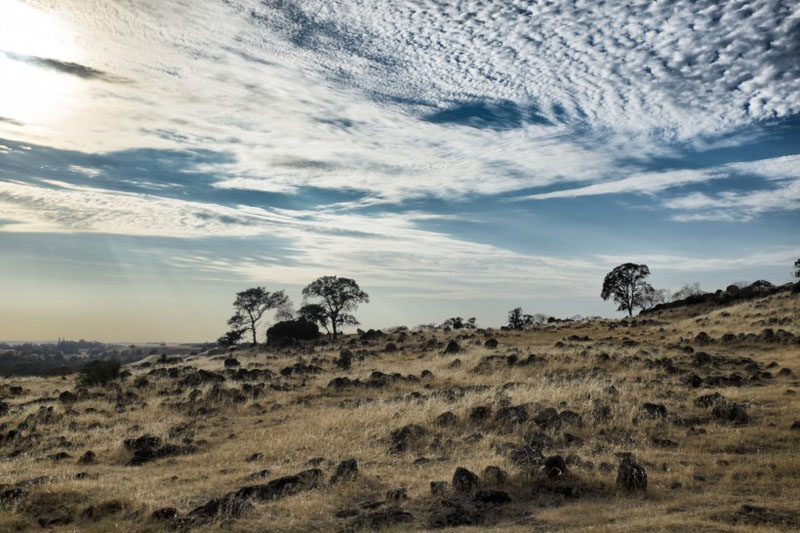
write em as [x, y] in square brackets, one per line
[704, 474]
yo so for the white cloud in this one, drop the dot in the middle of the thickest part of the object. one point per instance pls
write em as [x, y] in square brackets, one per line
[284, 85]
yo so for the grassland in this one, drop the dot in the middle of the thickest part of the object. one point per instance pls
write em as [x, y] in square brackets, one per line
[728, 463]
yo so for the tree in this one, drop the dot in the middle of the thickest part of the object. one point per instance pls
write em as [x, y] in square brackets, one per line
[457, 322]
[626, 285]
[338, 298]
[99, 372]
[797, 269]
[316, 314]
[519, 320]
[250, 306]
[652, 297]
[230, 338]
[686, 291]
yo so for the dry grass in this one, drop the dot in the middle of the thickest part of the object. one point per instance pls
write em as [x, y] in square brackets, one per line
[698, 484]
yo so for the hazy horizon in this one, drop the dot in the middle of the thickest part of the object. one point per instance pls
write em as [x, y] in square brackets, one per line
[454, 159]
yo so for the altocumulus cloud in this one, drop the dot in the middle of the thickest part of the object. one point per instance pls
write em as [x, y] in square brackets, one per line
[390, 107]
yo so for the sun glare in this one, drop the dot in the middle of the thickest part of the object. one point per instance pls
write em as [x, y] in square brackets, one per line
[30, 93]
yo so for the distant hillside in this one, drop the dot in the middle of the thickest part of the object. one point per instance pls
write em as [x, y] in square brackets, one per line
[731, 295]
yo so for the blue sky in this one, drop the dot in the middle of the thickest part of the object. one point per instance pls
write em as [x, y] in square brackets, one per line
[455, 158]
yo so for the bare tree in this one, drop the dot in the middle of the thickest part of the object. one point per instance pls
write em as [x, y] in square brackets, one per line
[652, 297]
[626, 285]
[686, 291]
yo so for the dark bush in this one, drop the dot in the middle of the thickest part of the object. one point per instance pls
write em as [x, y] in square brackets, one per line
[99, 372]
[288, 330]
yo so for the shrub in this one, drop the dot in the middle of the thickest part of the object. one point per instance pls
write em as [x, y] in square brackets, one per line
[288, 330]
[99, 372]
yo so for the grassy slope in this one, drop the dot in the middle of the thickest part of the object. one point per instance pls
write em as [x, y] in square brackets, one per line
[719, 466]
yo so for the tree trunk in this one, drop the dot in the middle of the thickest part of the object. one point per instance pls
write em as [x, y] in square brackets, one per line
[253, 330]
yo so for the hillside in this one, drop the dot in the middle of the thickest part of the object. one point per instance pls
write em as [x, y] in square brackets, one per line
[550, 429]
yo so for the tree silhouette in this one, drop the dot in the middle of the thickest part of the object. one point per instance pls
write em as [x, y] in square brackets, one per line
[250, 306]
[797, 269]
[338, 298]
[627, 286]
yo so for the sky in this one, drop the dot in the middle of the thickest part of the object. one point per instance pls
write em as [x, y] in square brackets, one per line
[456, 158]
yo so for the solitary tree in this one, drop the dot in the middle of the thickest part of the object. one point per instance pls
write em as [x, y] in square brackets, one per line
[250, 306]
[626, 285]
[338, 298]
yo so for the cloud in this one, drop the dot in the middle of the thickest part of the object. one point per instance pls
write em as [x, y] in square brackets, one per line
[66, 67]
[402, 99]
[783, 194]
[736, 206]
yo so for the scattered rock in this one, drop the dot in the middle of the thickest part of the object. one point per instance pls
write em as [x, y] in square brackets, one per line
[405, 436]
[554, 467]
[87, 458]
[726, 411]
[494, 476]
[346, 471]
[452, 347]
[631, 476]
[446, 419]
[655, 410]
[464, 480]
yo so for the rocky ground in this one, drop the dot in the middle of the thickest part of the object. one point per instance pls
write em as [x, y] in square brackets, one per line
[687, 419]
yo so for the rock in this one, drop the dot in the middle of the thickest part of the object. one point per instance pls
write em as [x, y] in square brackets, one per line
[163, 514]
[492, 497]
[491, 343]
[345, 360]
[703, 339]
[87, 458]
[464, 480]
[255, 457]
[101, 511]
[511, 415]
[707, 400]
[451, 516]
[546, 418]
[726, 411]
[480, 412]
[452, 347]
[227, 506]
[390, 347]
[631, 476]
[59, 456]
[405, 436]
[231, 362]
[67, 397]
[148, 448]
[446, 419]
[555, 467]
[346, 471]
[526, 457]
[795, 425]
[438, 488]
[396, 495]
[494, 475]
[380, 520]
[655, 410]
